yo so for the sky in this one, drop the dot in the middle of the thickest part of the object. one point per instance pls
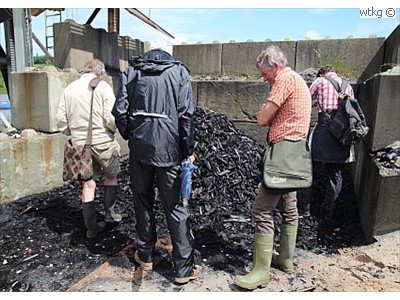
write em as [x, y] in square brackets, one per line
[255, 21]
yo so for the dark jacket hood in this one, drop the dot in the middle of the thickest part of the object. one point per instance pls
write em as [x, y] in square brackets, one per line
[154, 61]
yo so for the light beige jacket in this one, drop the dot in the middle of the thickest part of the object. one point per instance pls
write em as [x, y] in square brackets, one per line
[74, 109]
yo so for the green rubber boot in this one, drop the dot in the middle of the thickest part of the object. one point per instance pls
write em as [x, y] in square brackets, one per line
[110, 197]
[89, 216]
[259, 274]
[284, 259]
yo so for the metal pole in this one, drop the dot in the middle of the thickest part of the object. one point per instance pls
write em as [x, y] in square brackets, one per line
[23, 38]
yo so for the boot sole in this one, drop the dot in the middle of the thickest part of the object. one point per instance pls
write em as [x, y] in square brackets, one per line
[144, 265]
[196, 275]
[253, 287]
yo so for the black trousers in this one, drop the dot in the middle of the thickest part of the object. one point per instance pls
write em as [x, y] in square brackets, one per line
[142, 178]
[334, 172]
[334, 175]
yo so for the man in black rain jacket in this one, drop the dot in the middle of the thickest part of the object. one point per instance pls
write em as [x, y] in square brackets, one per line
[154, 109]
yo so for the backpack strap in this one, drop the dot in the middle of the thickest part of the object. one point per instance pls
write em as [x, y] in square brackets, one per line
[338, 88]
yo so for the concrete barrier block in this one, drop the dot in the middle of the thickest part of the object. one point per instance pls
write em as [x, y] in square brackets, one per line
[353, 55]
[30, 165]
[377, 190]
[380, 100]
[200, 58]
[35, 98]
[239, 100]
[76, 44]
[70, 49]
[241, 58]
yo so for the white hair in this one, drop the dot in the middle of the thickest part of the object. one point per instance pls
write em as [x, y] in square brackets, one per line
[162, 44]
[270, 56]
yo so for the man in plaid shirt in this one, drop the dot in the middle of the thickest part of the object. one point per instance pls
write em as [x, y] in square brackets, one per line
[287, 112]
[326, 150]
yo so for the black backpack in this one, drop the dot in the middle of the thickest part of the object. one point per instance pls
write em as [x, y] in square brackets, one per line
[348, 124]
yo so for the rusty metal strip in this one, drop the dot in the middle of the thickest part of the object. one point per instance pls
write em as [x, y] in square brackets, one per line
[136, 276]
[145, 19]
[88, 278]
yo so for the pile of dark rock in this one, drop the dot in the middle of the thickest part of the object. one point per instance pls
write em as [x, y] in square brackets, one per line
[226, 182]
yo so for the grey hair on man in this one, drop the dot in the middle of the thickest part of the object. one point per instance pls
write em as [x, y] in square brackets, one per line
[270, 56]
[95, 66]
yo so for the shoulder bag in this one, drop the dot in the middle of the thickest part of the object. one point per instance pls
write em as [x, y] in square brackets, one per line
[78, 164]
[287, 165]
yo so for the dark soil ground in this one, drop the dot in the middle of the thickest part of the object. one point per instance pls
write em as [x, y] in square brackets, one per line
[42, 237]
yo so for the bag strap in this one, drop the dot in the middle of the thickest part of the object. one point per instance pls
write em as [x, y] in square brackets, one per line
[338, 88]
[93, 84]
[342, 87]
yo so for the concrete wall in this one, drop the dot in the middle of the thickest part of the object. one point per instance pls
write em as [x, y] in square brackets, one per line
[377, 190]
[200, 59]
[392, 49]
[75, 44]
[33, 163]
[352, 54]
[239, 100]
[379, 97]
[388, 54]
[239, 58]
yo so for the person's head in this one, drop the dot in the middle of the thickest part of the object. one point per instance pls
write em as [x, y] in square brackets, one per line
[270, 61]
[95, 66]
[323, 71]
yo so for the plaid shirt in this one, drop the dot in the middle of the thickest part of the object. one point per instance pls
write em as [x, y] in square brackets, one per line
[292, 120]
[326, 93]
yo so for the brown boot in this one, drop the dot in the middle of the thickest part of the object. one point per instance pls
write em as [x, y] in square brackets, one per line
[146, 266]
[195, 275]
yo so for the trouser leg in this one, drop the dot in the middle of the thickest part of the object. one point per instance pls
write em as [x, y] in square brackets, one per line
[333, 188]
[266, 201]
[178, 220]
[141, 177]
[288, 208]
[304, 197]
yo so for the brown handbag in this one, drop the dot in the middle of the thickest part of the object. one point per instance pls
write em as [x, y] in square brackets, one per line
[78, 163]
